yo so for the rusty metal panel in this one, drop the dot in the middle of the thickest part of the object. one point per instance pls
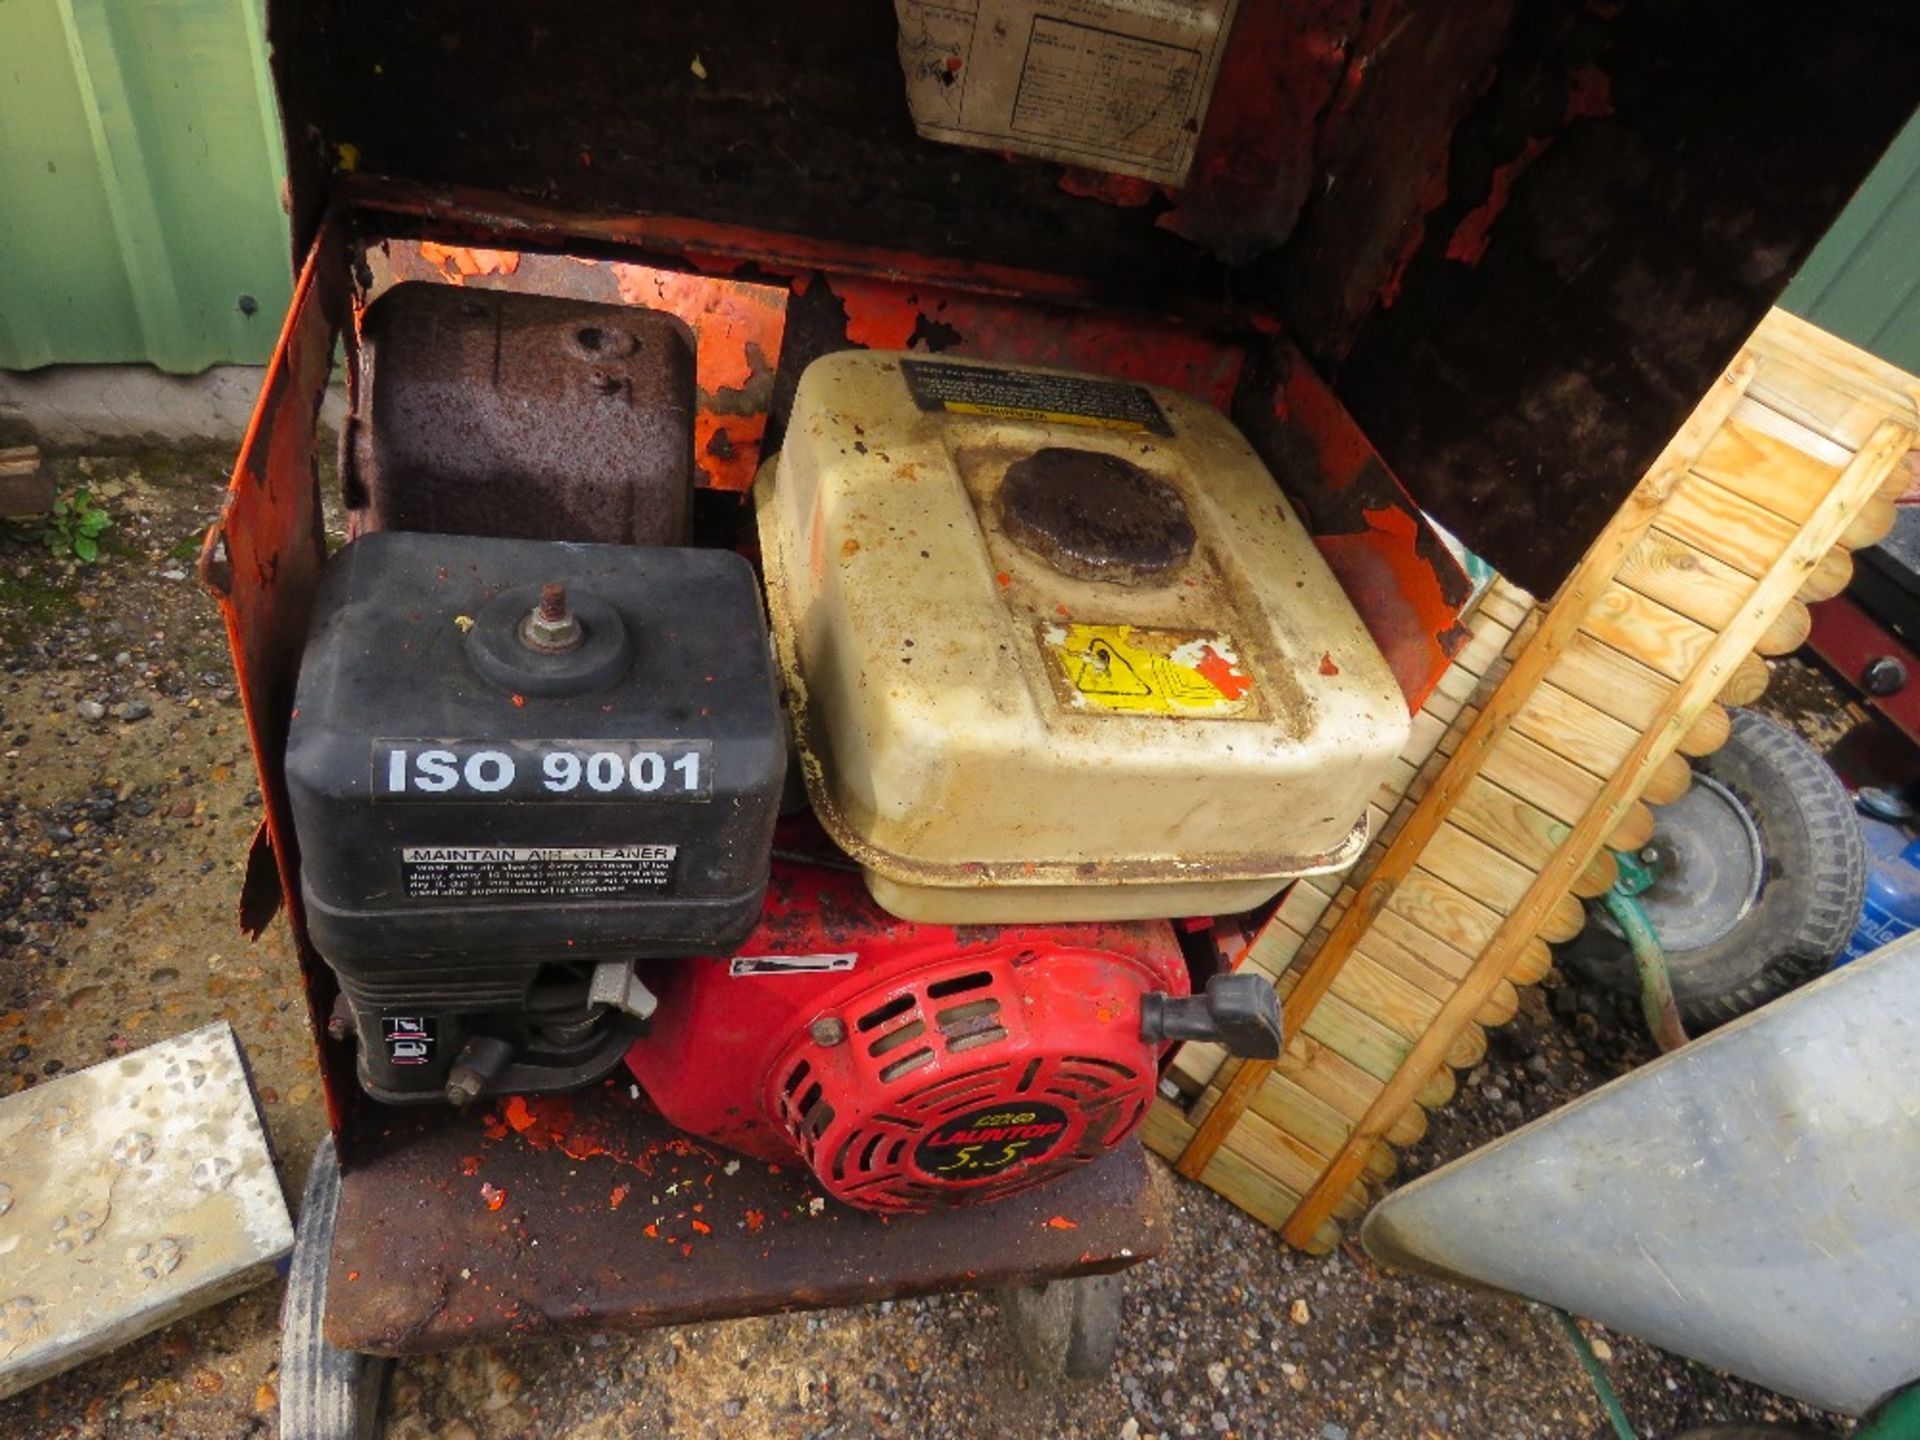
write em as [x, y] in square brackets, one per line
[521, 415]
[261, 559]
[591, 1212]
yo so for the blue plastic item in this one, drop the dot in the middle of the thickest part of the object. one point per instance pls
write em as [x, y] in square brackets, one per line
[1892, 908]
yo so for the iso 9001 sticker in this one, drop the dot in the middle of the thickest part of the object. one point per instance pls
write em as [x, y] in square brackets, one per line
[542, 769]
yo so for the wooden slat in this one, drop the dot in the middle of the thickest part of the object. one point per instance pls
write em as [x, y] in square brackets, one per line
[1167, 1132]
[1326, 1075]
[1476, 867]
[1410, 965]
[1314, 1124]
[1536, 774]
[1830, 385]
[1570, 727]
[1659, 638]
[1777, 585]
[1271, 1151]
[1758, 416]
[1430, 948]
[1726, 526]
[1604, 678]
[1442, 911]
[1505, 606]
[1794, 388]
[1765, 469]
[1685, 578]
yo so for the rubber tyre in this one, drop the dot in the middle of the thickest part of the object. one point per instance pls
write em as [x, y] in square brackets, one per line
[1810, 894]
[1065, 1330]
[326, 1393]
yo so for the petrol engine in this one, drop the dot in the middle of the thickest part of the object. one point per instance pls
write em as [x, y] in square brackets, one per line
[1050, 662]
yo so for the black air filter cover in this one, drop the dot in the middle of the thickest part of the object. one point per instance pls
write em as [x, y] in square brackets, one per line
[461, 797]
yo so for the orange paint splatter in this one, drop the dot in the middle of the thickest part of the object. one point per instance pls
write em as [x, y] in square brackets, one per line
[1060, 1222]
[353, 1274]
[519, 702]
[755, 1219]
[1219, 672]
[1004, 578]
[519, 1114]
[653, 1232]
[470, 1165]
[1327, 667]
[620, 1193]
[493, 1195]
[700, 1227]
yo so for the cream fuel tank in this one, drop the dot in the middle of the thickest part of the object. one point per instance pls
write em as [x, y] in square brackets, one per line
[1057, 648]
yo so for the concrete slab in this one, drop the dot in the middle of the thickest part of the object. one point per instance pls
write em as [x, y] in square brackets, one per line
[132, 407]
[131, 1193]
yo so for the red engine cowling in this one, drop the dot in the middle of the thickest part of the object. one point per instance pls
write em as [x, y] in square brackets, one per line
[912, 1066]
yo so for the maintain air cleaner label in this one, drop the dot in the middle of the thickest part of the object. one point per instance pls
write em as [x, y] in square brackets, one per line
[542, 770]
[1027, 395]
[503, 872]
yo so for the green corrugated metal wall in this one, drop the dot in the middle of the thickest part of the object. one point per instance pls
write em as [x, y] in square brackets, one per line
[140, 173]
[1862, 281]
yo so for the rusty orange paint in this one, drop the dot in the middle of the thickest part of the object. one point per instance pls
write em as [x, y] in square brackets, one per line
[732, 318]
[619, 1196]
[1468, 243]
[1406, 611]
[457, 262]
[1060, 1222]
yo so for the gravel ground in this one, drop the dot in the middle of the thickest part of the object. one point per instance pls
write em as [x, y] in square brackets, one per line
[126, 802]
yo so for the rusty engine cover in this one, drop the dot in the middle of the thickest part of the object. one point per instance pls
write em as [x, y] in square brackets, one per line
[527, 416]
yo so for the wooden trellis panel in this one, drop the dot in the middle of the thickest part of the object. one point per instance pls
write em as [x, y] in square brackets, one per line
[1539, 752]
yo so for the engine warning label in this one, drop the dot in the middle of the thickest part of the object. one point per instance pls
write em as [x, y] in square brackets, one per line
[1029, 395]
[500, 872]
[1134, 670]
[990, 1139]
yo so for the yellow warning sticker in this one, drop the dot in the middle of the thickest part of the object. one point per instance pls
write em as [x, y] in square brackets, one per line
[1135, 670]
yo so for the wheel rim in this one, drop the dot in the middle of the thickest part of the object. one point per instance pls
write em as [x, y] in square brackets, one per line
[1709, 867]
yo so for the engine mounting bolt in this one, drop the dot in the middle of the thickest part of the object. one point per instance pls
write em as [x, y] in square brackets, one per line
[827, 1030]
[550, 627]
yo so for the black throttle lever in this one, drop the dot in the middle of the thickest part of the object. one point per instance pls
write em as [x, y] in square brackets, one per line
[1241, 1012]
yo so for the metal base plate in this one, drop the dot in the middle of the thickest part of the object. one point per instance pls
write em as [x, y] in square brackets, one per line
[590, 1212]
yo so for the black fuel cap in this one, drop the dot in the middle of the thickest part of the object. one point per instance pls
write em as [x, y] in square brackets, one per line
[1094, 516]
